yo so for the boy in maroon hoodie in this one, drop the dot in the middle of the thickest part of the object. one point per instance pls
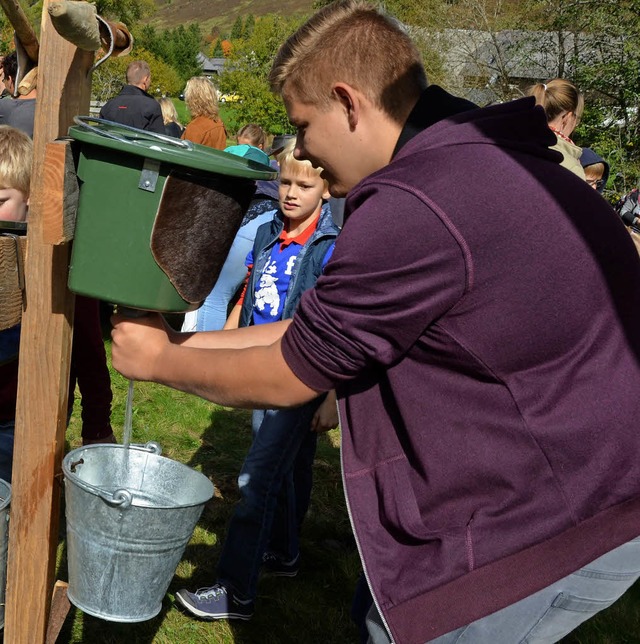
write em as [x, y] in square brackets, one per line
[478, 319]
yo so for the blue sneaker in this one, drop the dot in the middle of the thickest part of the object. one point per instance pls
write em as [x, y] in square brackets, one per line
[215, 602]
[275, 565]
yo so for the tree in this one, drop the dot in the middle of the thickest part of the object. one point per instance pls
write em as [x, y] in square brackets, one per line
[127, 11]
[109, 78]
[247, 71]
[237, 30]
[177, 47]
[249, 26]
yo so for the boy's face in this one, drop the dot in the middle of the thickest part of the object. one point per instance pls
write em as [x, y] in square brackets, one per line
[13, 204]
[594, 178]
[322, 138]
[300, 194]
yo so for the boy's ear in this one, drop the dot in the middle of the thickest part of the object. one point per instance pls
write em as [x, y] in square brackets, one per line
[349, 98]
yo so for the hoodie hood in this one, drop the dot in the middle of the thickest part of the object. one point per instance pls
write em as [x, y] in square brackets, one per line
[518, 125]
[589, 157]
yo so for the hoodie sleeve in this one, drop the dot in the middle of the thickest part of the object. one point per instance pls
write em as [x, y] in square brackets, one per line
[395, 269]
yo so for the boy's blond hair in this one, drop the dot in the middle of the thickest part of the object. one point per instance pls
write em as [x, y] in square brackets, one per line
[352, 42]
[254, 133]
[287, 160]
[15, 160]
[558, 96]
[594, 170]
[201, 97]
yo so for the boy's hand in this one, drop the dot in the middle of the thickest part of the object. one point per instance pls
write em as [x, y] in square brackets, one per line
[326, 416]
[138, 345]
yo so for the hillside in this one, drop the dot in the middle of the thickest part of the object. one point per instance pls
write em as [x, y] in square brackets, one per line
[220, 13]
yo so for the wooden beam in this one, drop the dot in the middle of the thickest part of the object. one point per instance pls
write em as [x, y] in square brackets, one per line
[45, 347]
[22, 27]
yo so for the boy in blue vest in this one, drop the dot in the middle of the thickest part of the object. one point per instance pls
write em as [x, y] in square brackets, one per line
[288, 256]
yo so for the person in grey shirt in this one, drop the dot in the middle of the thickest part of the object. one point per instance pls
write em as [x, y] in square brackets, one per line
[19, 112]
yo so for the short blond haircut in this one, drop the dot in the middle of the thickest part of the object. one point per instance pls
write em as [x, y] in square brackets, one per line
[137, 71]
[15, 160]
[558, 96]
[201, 97]
[286, 159]
[352, 42]
[253, 133]
[169, 112]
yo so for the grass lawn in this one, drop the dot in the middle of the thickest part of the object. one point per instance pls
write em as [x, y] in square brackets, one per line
[312, 608]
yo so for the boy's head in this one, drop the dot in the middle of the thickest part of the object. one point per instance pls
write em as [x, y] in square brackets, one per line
[596, 169]
[251, 134]
[349, 78]
[352, 42]
[15, 173]
[593, 174]
[301, 188]
[10, 70]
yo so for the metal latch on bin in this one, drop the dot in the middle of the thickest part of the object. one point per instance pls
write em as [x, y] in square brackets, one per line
[149, 175]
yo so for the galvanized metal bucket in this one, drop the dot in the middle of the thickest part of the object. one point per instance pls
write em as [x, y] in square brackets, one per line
[130, 514]
[5, 499]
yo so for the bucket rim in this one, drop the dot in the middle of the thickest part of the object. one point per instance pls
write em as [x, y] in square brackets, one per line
[67, 463]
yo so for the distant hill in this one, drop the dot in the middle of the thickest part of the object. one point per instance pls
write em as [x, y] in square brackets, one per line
[220, 13]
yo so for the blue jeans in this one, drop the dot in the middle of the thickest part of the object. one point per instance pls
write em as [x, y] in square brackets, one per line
[213, 313]
[551, 613]
[275, 488]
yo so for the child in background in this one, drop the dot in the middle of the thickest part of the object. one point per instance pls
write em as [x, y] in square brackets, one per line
[212, 315]
[88, 359]
[251, 134]
[172, 124]
[288, 256]
[596, 169]
[15, 172]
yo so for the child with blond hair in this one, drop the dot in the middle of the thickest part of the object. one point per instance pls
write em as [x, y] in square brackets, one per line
[288, 256]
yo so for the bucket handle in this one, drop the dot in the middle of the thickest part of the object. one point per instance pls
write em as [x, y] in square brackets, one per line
[147, 136]
[120, 498]
[152, 447]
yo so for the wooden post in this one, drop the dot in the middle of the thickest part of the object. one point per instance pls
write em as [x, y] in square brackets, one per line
[63, 91]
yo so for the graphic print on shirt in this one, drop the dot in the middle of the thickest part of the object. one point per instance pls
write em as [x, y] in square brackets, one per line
[272, 286]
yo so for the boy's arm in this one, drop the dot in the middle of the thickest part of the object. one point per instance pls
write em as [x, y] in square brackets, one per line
[211, 365]
[233, 321]
[326, 416]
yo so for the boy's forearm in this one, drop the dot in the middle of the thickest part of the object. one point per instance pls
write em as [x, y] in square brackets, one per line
[256, 335]
[254, 377]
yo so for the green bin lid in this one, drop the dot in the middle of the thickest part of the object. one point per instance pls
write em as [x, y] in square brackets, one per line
[167, 149]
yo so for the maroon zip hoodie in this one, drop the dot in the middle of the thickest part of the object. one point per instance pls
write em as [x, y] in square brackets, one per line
[479, 319]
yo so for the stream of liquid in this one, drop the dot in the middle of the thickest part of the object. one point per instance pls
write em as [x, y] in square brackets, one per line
[128, 417]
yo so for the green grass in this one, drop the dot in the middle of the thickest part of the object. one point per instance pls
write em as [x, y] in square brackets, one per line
[313, 607]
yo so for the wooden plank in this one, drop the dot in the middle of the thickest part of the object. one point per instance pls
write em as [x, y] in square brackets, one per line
[63, 91]
[60, 606]
[61, 188]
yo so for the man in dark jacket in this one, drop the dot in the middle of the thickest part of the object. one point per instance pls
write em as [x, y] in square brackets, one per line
[478, 320]
[133, 106]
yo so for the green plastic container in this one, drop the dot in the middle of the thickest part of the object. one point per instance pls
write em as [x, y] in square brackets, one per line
[122, 172]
